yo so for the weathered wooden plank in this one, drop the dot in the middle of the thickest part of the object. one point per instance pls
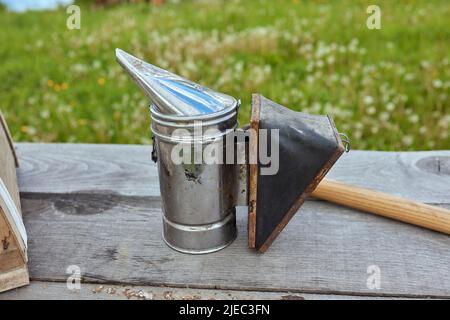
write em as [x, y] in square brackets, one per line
[13, 254]
[14, 278]
[69, 168]
[128, 170]
[98, 207]
[326, 249]
[38, 290]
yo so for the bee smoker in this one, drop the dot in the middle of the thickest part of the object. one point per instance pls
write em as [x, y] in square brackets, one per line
[197, 217]
[199, 198]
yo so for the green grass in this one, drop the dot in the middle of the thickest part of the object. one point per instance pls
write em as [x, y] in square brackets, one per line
[388, 89]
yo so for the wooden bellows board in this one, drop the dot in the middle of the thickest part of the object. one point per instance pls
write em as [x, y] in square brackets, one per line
[13, 238]
[310, 145]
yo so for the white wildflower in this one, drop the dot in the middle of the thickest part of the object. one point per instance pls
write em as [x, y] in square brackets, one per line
[407, 140]
[345, 80]
[31, 100]
[425, 64]
[390, 106]
[334, 77]
[330, 59]
[45, 114]
[357, 134]
[368, 100]
[310, 79]
[384, 116]
[444, 121]
[96, 64]
[414, 118]
[437, 83]
[316, 107]
[79, 68]
[31, 130]
[371, 110]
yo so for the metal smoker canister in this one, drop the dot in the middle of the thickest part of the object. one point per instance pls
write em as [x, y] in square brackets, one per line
[198, 200]
[198, 197]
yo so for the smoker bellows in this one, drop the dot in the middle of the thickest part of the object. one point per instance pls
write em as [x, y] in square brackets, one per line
[199, 199]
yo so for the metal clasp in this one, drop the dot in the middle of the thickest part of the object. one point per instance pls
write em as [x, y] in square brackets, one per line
[346, 140]
[154, 154]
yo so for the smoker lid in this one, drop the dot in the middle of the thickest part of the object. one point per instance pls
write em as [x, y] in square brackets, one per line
[171, 93]
[309, 145]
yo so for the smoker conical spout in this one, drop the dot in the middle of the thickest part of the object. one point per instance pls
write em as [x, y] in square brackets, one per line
[170, 93]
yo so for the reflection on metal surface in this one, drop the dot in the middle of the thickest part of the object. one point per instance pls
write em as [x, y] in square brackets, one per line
[198, 200]
[171, 93]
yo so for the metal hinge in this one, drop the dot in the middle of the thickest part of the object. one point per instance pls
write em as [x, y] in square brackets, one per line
[154, 154]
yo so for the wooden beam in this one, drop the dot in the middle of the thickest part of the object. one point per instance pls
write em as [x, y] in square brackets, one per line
[128, 170]
[13, 255]
[40, 290]
[105, 217]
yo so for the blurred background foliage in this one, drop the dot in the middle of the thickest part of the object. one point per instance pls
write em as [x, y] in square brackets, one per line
[387, 89]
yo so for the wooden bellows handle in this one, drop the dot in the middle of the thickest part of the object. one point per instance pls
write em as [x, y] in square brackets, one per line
[385, 205]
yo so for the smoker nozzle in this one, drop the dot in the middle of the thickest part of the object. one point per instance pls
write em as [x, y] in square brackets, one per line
[170, 93]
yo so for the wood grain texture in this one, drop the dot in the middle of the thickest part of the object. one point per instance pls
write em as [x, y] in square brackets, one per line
[14, 278]
[325, 249]
[88, 168]
[8, 163]
[8, 136]
[13, 256]
[39, 290]
[98, 207]
[383, 204]
[397, 173]
[253, 170]
[128, 170]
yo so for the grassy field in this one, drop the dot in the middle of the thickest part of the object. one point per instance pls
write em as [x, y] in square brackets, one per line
[388, 89]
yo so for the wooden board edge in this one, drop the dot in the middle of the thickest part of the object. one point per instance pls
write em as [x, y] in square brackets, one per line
[49, 290]
[15, 233]
[320, 175]
[4, 125]
[253, 170]
[15, 278]
[14, 253]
